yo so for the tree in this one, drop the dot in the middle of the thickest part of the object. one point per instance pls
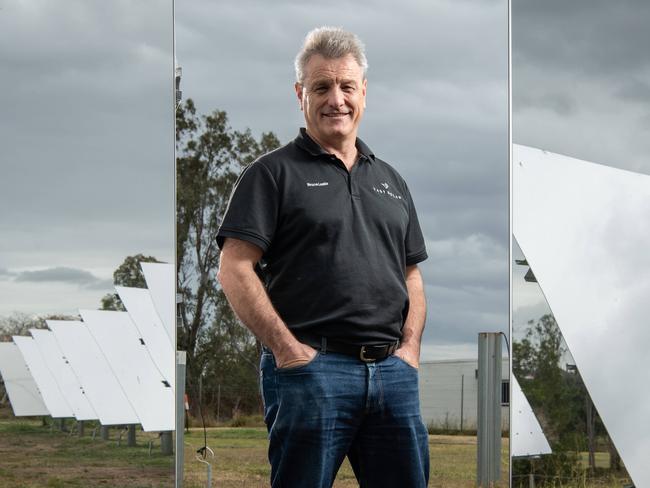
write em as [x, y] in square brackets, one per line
[210, 155]
[558, 397]
[129, 274]
[19, 323]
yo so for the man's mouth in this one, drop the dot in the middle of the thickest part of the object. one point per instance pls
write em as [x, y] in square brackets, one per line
[336, 114]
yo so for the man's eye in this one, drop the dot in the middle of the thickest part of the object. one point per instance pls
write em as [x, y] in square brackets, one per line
[320, 89]
[348, 88]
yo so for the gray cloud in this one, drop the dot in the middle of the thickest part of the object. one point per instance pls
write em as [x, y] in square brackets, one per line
[635, 91]
[5, 274]
[593, 38]
[62, 274]
[581, 77]
[86, 137]
[559, 103]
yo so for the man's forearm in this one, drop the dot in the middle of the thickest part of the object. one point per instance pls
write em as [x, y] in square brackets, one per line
[250, 302]
[414, 324]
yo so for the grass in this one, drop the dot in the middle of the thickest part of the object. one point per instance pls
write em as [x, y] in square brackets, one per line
[241, 460]
[33, 455]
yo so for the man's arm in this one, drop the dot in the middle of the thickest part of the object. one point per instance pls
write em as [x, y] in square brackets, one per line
[249, 300]
[409, 349]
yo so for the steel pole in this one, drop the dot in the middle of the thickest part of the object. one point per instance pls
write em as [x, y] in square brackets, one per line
[181, 359]
[489, 409]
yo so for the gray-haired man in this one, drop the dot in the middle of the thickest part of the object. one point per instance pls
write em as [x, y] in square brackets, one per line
[341, 307]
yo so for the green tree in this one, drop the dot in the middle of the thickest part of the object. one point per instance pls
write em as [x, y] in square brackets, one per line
[210, 155]
[558, 397]
[129, 274]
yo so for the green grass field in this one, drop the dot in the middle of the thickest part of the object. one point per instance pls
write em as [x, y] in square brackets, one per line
[33, 455]
[240, 460]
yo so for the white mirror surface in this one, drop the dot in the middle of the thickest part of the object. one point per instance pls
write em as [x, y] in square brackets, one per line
[93, 372]
[24, 397]
[63, 374]
[584, 229]
[141, 309]
[526, 435]
[52, 396]
[161, 282]
[144, 385]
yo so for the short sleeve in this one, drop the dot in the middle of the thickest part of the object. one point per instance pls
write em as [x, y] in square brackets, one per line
[416, 251]
[252, 211]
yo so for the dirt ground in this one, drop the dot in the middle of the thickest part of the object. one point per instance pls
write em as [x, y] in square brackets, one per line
[32, 455]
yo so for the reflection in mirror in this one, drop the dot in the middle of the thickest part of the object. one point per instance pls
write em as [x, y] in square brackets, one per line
[87, 193]
[436, 111]
[578, 77]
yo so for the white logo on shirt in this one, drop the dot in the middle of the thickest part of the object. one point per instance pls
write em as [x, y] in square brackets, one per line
[320, 183]
[386, 191]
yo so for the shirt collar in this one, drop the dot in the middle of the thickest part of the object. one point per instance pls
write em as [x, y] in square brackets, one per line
[312, 147]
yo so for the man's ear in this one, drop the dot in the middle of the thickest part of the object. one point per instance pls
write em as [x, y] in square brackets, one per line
[364, 89]
[298, 87]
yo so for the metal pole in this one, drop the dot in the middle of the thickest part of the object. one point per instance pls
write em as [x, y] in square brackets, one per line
[489, 409]
[80, 428]
[181, 360]
[130, 436]
[462, 399]
[103, 433]
[218, 401]
[531, 480]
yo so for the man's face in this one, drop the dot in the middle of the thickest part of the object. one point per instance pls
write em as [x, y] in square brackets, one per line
[332, 97]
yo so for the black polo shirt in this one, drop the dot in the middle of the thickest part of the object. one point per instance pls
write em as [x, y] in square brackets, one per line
[335, 243]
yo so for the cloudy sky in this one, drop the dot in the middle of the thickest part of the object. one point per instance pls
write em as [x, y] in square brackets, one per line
[581, 87]
[437, 111]
[86, 144]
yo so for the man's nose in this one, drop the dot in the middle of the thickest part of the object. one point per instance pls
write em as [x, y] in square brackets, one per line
[336, 97]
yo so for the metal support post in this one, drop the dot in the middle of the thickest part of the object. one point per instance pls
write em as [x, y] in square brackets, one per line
[489, 409]
[181, 360]
[80, 428]
[462, 400]
[130, 436]
[103, 432]
[166, 444]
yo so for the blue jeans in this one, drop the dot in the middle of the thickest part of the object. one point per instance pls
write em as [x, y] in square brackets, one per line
[337, 405]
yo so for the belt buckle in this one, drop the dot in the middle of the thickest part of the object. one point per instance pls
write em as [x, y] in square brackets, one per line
[363, 357]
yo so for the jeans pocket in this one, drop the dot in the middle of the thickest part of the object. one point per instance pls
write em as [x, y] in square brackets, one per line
[300, 367]
[399, 359]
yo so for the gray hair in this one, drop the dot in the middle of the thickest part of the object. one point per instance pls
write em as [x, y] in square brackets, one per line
[331, 43]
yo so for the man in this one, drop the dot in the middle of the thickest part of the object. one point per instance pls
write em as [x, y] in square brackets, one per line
[333, 233]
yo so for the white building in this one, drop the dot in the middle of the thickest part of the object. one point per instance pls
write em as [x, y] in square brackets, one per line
[449, 393]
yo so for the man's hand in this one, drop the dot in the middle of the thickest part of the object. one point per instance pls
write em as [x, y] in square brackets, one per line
[292, 357]
[410, 354]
